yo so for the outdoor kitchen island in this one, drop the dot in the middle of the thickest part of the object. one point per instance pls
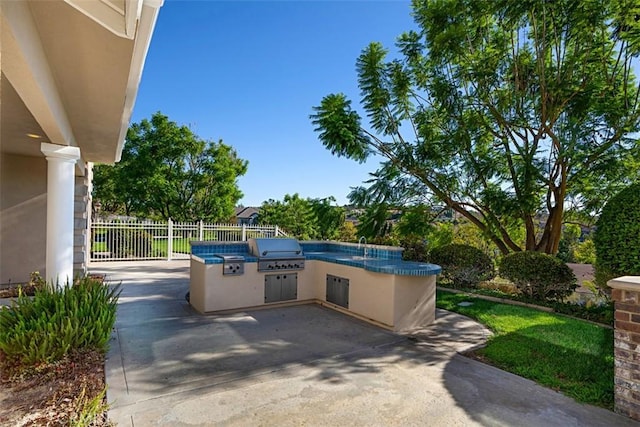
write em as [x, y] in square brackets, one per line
[370, 282]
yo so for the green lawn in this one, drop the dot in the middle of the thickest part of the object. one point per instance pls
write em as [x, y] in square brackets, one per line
[568, 355]
[179, 246]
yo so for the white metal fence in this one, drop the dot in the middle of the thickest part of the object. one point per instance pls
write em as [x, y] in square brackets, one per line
[116, 240]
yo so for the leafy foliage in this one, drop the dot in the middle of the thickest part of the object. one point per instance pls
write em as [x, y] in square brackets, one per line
[35, 282]
[304, 218]
[58, 320]
[415, 249]
[88, 409]
[329, 218]
[415, 221]
[616, 237]
[374, 223]
[465, 233]
[599, 313]
[570, 237]
[417, 229]
[506, 112]
[167, 171]
[441, 234]
[465, 266]
[538, 276]
[585, 252]
[418, 233]
[347, 232]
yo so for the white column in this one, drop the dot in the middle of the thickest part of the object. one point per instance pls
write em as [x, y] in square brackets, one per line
[61, 160]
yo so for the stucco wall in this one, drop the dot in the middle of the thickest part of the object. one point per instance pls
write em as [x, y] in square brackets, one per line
[23, 217]
[414, 302]
[370, 294]
[396, 302]
[211, 291]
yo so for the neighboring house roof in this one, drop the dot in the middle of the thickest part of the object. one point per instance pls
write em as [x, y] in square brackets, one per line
[246, 213]
[70, 73]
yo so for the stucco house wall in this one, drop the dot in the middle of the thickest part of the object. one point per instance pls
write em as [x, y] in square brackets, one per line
[23, 216]
[69, 76]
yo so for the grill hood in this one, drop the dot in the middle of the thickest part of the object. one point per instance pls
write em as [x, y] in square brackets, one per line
[275, 248]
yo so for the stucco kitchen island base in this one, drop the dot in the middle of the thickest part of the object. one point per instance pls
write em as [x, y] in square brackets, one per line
[395, 302]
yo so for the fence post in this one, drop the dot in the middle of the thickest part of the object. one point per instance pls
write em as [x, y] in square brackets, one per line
[276, 231]
[201, 231]
[244, 232]
[170, 240]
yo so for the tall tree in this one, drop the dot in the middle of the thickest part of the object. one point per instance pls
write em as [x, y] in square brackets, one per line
[293, 214]
[304, 218]
[167, 171]
[508, 112]
[329, 217]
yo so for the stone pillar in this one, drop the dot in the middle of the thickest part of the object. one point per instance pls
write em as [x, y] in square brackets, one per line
[82, 222]
[61, 160]
[626, 294]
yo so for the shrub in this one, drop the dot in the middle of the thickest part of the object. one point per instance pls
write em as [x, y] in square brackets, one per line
[35, 282]
[538, 276]
[602, 313]
[415, 249]
[465, 266]
[585, 252]
[566, 252]
[58, 320]
[123, 242]
[616, 237]
[88, 409]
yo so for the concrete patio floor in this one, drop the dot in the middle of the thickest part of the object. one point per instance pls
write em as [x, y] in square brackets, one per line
[305, 365]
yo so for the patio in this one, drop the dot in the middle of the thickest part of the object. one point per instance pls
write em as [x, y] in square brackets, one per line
[298, 365]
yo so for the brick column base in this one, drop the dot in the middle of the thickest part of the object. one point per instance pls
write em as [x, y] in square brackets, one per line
[626, 294]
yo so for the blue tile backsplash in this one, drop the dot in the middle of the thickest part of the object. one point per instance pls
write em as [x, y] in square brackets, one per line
[212, 247]
[373, 251]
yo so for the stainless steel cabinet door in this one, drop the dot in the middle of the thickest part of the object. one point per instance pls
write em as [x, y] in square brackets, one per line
[289, 287]
[338, 290]
[272, 287]
[280, 287]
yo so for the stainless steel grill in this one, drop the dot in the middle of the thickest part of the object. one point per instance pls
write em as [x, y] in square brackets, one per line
[277, 254]
[233, 265]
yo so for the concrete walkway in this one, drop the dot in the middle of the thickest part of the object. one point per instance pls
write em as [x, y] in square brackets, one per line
[305, 365]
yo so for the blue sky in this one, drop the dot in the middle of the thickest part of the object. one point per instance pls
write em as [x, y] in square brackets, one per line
[249, 73]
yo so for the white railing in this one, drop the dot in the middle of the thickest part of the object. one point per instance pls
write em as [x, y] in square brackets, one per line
[137, 240]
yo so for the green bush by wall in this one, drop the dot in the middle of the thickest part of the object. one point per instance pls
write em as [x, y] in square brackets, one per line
[463, 265]
[617, 236]
[539, 276]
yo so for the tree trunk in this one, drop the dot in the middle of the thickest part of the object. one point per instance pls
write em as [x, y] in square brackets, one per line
[555, 232]
[530, 229]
